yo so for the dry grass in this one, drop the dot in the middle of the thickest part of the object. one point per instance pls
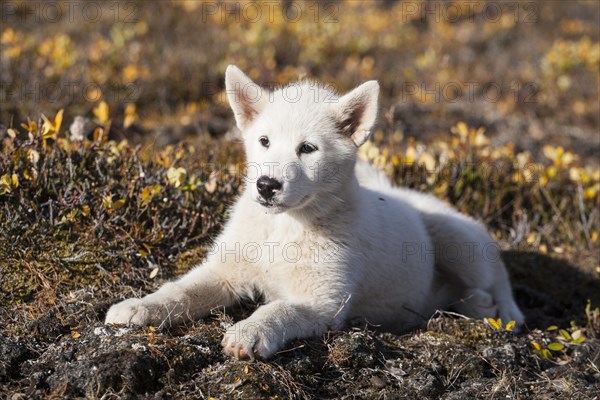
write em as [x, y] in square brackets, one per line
[131, 195]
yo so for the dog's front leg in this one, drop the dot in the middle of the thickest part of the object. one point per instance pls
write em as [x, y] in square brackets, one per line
[273, 325]
[189, 298]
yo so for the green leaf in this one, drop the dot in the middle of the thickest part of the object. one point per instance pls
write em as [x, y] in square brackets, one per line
[546, 354]
[556, 346]
[566, 335]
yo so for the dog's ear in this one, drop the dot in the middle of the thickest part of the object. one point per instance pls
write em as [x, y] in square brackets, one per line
[357, 111]
[246, 98]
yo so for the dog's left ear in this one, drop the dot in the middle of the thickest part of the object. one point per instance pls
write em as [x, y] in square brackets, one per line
[357, 111]
[246, 98]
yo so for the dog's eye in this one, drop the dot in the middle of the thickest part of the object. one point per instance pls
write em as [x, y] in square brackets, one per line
[264, 141]
[307, 148]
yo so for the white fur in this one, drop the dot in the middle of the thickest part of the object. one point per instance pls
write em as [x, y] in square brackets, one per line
[336, 243]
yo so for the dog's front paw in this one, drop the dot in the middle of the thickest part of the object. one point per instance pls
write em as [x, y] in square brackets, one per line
[248, 340]
[129, 312]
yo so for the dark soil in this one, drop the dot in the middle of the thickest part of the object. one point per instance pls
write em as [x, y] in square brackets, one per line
[451, 358]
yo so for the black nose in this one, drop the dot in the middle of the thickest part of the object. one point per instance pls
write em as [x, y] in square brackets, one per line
[267, 186]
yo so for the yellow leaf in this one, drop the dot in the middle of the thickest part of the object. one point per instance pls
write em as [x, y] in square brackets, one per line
[575, 174]
[145, 250]
[107, 201]
[128, 121]
[149, 193]
[58, 119]
[31, 126]
[111, 205]
[497, 325]
[591, 192]
[552, 328]
[50, 128]
[118, 204]
[75, 335]
[411, 154]
[130, 109]
[101, 112]
[99, 135]
[85, 210]
[33, 156]
[175, 176]
[5, 184]
[462, 130]
[47, 131]
[535, 345]
[510, 326]
[211, 185]
[428, 161]
[549, 152]
[130, 115]
[480, 139]
[30, 174]
[372, 152]
[567, 158]
[577, 334]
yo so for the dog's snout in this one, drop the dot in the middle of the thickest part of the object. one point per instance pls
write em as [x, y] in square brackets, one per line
[267, 186]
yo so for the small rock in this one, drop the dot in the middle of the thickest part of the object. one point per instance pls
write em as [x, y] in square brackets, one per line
[378, 382]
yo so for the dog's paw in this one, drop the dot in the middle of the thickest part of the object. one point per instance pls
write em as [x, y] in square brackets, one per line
[248, 340]
[129, 312]
[477, 303]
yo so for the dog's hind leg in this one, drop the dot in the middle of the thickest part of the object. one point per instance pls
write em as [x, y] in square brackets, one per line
[469, 261]
[508, 310]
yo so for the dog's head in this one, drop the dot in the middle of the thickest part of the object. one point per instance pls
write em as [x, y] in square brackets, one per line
[301, 139]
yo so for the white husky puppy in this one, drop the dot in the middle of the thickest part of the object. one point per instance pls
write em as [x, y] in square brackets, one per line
[325, 239]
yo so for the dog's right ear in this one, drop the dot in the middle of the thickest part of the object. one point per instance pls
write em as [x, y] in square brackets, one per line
[246, 98]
